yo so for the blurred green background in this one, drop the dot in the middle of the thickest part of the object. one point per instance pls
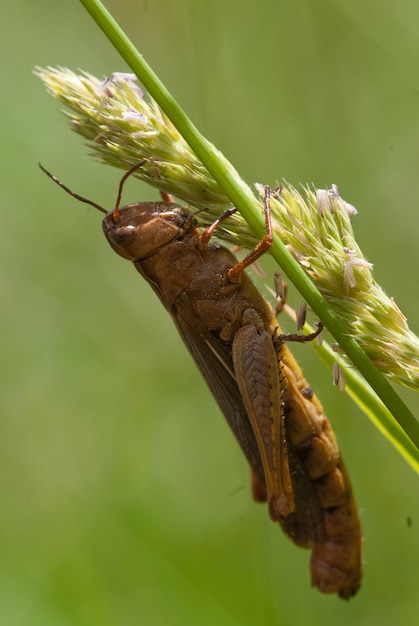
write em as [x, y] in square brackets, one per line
[124, 497]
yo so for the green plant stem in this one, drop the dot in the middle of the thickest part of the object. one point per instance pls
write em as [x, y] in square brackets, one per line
[244, 200]
[370, 403]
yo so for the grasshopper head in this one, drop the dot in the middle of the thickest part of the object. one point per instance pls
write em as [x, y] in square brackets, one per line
[136, 231]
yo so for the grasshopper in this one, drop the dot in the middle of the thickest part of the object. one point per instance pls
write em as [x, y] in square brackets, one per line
[233, 335]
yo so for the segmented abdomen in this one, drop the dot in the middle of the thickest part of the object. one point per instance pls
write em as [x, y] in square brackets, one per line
[326, 517]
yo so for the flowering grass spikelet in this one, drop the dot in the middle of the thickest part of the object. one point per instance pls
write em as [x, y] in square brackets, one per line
[122, 128]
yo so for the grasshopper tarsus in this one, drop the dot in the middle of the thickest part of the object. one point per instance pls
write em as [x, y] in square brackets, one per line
[300, 338]
[261, 247]
[208, 232]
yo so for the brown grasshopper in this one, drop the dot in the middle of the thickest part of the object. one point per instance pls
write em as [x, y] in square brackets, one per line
[234, 337]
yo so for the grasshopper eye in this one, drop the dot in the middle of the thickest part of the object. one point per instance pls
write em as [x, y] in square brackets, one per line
[123, 236]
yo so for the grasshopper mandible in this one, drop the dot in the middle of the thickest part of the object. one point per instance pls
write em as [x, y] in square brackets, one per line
[233, 335]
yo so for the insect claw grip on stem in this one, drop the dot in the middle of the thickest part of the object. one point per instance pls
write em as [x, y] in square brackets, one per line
[208, 232]
[259, 250]
[301, 338]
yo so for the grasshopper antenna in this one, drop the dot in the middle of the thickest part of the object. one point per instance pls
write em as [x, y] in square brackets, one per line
[121, 187]
[94, 204]
[75, 195]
